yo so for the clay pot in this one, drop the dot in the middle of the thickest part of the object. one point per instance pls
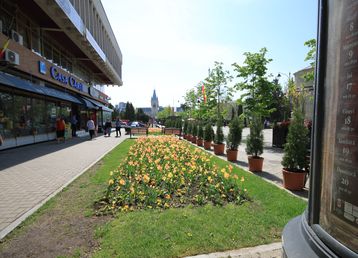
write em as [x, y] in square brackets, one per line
[255, 164]
[184, 136]
[207, 145]
[219, 148]
[193, 139]
[199, 142]
[294, 180]
[231, 155]
[188, 137]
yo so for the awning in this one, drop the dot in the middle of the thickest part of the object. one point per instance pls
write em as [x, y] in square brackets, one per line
[21, 84]
[88, 103]
[99, 104]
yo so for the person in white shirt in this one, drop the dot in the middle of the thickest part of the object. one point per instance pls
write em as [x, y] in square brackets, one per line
[91, 127]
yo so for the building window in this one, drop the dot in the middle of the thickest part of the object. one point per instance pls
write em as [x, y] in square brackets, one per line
[39, 118]
[23, 119]
[6, 115]
[35, 40]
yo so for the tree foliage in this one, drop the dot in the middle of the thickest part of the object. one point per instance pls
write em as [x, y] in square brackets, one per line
[129, 112]
[235, 134]
[258, 90]
[311, 57]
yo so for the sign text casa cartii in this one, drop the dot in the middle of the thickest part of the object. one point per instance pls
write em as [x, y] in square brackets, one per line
[55, 74]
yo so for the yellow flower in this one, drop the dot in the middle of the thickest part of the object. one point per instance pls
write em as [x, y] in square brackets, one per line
[167, 196]
[111, 173]
[166, 205]
[170, 175]
[111, 182]
[235, 176]
[242, 179]
[146, 178]
[226, 175]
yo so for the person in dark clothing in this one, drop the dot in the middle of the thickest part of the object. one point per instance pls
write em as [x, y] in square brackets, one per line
[108, 127]
[74, 122]
[118, 127]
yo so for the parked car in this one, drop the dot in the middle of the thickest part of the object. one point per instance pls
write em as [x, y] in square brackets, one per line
[136, 124]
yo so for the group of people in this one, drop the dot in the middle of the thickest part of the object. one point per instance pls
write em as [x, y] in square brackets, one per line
[108, 127]
[61, 127]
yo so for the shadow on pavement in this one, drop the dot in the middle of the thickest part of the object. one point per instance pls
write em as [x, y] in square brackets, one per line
[18, 155]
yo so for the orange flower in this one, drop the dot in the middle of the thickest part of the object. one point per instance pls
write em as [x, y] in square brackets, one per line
[122, 182]
[111, 182]
[226, 175]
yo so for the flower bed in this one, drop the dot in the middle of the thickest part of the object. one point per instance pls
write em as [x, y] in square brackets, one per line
[163, 172]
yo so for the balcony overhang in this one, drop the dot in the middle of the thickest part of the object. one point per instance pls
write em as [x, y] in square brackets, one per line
[68, 20]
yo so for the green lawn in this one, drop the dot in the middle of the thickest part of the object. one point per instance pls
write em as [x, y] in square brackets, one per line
[194, 230]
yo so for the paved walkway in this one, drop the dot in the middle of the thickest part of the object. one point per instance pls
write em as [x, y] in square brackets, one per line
[31, 175]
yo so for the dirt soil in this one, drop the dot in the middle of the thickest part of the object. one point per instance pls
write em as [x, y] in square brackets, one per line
[65, 227]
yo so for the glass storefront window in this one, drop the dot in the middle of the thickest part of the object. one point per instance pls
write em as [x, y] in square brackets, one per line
[51, 115]
[339, 164]
[39, 118]
[6, 115]
[23, 118]
[65, 112]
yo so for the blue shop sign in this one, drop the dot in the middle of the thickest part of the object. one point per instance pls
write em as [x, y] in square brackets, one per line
[55, 74]
[42, 67]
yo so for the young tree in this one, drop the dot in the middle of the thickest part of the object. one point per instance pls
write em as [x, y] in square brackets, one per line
[258, 90]
[311, 56]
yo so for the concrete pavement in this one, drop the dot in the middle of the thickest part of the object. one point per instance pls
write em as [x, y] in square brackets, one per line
[31, 175]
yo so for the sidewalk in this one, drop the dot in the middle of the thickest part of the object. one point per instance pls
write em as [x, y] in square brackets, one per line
[31, 175]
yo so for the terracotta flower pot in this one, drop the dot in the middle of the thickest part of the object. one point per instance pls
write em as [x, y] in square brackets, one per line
[193, 139]
[207, 145]
[231, 155]
[255, 164]
[293, 180]
[199, 142]
[188, 137]
[219, 148]
[184, 136]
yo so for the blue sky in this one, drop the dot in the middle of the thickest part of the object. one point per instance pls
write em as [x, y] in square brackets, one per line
[169, 45]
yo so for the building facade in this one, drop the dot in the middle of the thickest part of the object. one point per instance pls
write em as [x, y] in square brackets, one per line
[57, 55]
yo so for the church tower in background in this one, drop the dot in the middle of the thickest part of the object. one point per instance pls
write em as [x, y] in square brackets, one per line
[155, 104]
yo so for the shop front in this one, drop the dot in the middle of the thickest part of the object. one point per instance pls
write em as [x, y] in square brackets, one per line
[28, 112]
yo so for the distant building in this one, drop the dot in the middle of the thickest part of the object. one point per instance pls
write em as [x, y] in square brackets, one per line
[308, 88]
[155, 105]
[121, 107]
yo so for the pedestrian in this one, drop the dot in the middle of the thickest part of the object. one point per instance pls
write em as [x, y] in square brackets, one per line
[91, 127]
[1, 140]
[118, 127]
[74, 122]
[60, 129]
[108, 127]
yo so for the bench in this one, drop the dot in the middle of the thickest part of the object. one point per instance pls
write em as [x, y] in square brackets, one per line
[175, 131]
[138, 131]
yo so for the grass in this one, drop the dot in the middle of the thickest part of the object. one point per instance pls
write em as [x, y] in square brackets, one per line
[193, 230]
[172, 232]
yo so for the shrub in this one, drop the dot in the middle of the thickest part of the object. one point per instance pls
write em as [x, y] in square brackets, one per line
[200, 131]
[195, 129]
[219, 136]
[295, 149]
[208, 132]
[185, 129]
[255, 140]
[235, 134]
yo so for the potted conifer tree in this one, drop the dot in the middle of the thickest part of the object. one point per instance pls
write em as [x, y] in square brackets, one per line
[190, 128]
[208, 136]
[185, 129]
[254, 145]
[199, 141]
[234, 139]
[294, 160]
[219, 145]
[194, 132]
